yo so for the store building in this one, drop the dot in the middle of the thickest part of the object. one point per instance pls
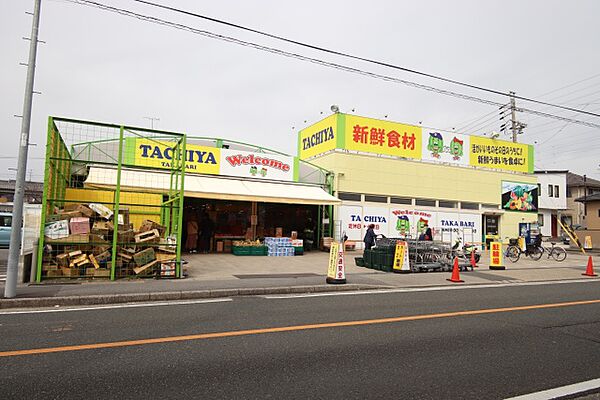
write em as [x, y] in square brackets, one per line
[552, 190]
[402, 177]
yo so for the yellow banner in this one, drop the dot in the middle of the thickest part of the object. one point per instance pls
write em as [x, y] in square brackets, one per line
[496, 255]
[500, 154]
[199, 159]
[318, 138]
[383, 137]
[333, 258]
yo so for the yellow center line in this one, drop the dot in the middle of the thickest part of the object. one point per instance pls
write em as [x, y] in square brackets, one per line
[214, 335]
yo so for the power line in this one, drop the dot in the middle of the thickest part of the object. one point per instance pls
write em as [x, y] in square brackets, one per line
[338, 53]
[284, 53]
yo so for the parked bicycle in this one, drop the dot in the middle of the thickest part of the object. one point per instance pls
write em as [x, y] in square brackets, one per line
[556, 252]
[513, 251]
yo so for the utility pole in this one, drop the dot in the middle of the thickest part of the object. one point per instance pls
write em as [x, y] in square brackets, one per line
[152, 119]
[10, 288]
[515, 126]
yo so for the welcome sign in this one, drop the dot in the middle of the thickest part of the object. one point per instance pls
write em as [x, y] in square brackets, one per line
[257, 165]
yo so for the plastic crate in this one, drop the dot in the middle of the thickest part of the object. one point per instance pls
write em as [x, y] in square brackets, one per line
[298, 250]
[359, 261]
[368, 258]
[258, 250]
[241, 250]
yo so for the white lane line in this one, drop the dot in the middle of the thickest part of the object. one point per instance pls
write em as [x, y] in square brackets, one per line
[114, 306]
[561, 391]
[425, 289]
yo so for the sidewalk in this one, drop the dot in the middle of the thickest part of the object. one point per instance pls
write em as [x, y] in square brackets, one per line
[224, 275]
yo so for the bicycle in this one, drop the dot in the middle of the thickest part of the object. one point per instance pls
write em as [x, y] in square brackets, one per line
[513, 251]
[556, 252]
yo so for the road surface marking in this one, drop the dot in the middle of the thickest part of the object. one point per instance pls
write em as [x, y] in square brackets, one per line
[214, 335]
[427, 289]
[126, 305]
[561, 391]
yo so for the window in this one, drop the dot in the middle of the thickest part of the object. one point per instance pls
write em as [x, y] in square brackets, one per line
[447, 204]
[469, 206]
[556, 192]
[425, 202]
[541, 219]
[400, 200]
[539, 189]
[569, 195]
[550, 191]
[350, 196]
[599, 213]
[376, 199]
[6, 221]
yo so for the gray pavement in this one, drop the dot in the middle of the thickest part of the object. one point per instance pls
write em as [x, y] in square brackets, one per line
[218, 275]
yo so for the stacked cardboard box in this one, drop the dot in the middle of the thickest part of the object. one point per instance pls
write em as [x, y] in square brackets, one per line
[279, 246]
[79, 243]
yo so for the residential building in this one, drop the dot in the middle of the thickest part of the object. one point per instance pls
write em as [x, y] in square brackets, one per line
[591, 204]
[578, 186]
[552, 191]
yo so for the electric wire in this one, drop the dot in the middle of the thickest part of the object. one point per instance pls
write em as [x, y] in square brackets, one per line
[316, 61]
[339, 53]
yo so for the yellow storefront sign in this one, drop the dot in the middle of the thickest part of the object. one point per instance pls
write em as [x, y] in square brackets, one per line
[157, 154]
[382, 137]
[318, 138]
[500, 154]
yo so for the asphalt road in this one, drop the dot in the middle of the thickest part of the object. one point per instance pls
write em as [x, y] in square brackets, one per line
[428, 355]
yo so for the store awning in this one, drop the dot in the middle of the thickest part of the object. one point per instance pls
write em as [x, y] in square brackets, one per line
[214, 187]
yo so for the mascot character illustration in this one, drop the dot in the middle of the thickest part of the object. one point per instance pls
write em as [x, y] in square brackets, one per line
[403, 225]
[456, 148]
[435, 144]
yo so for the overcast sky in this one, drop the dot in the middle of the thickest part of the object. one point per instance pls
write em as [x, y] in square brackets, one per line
[106, 67]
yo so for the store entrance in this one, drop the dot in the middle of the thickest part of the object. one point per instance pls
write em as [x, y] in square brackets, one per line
[211, 226]
[491, 232]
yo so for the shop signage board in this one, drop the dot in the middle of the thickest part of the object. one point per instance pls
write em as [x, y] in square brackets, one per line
[382, 137]
[157, 154]
[378, 216]
[318, 138]
[500, 154]
[446, 147]
[451, 226]
[519, 196]
[247, 164]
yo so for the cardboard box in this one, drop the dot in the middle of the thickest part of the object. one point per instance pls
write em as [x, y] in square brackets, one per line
[57, 230]
[53, 273]
[79, 225]
[85, 211]
[144, 257]
[145, 268]
[148, 237]
[148, 225]
[102, 273]
[297, 242]
[101, 210]
[279, 232]
[294, 235]
[70, 272]
[101, 228]
[220, 246]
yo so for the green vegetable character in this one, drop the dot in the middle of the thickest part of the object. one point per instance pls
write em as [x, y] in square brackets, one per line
[253, 170]
[422, 225]
[436, 144]
[263, 172]
[456, 148]
[403, 225]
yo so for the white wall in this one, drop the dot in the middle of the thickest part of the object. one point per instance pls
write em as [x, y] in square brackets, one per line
[547, 227]
[554, 179]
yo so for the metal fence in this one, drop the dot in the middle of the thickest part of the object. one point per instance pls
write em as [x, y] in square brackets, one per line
[113, 201]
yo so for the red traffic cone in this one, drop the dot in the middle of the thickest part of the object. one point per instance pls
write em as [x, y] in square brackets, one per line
[455, 274]
[473, 263]
[590, 268]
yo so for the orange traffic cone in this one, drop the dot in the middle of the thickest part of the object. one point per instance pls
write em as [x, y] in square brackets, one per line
[455, 274]
[473, 263]
[590, 268]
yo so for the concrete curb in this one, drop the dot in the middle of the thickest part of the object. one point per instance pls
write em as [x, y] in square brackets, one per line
[34, 302]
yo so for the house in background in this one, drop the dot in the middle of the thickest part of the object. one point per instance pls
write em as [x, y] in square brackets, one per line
[33, 192]
[591, 205]
[578, 187]
[552, 200]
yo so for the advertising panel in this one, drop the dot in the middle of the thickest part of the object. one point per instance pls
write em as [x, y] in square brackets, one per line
[405, 222]
[153, 153]
[518, 196]
[382, 137]
[246, 164]
[500, 154]
[446, 147]
[451, 226]
[377, 216]
[318, 138]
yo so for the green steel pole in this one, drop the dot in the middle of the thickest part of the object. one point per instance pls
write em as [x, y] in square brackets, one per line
[117, 199]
